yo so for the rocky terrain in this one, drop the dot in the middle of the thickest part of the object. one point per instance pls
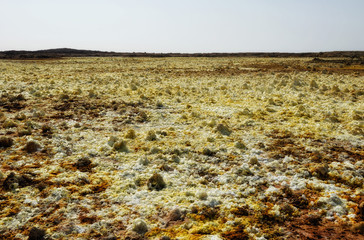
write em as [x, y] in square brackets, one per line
[182, 148]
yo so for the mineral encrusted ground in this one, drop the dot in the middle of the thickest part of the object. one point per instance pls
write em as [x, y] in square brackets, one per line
[181, 148]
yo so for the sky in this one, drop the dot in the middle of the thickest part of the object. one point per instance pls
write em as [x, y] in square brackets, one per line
[183, 25]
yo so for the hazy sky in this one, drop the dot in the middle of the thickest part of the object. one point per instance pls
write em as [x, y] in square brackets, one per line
[183, 25]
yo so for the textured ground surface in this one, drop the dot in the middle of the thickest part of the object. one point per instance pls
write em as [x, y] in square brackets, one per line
[186, 148]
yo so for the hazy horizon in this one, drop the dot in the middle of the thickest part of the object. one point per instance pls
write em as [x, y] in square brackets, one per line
[183, 27]
[176, 52]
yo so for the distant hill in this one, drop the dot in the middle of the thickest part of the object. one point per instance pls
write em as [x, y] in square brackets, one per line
[68, 52]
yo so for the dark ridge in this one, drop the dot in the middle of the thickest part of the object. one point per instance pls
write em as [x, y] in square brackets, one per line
[68, 52]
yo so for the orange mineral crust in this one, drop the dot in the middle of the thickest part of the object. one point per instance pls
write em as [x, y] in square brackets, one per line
[181, 148]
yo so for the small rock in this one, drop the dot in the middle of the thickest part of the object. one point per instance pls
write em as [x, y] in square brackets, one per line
[20, 116]
[151, 136]
[223, 129]
[166, 168]
[24, 132]
[314, 219]
[112, 141]
[131, 235]
[41, 186]
[133, 87]
[202, 195]
[13, 181]
[142, 117]
[144, 161]
[20, 97]
[130, 134]
[287, 209]
[120, 146]
[111, 237]
[64, 96]
[208, 152]
[156, 182]
[214, 203]
[175, 158]
[163, 133]
[210, 139]
[155, 150]
[10, 182]
[6, 142]
[46, 129]
[9, 124]
[36, 234]
[335, 89]
[174, 215]
[313, 84]
[32, 146]
[244, 171]
[140, 227]
[194, 209]
[321, 171]
[212, 123]
[359, 227]
[83, 164]
[296, 83]
[246, 112]
[254, 161]
[165, 238]
[361, 210]
[269, 109]
[261, 145]
[240, 145]
[159, 104]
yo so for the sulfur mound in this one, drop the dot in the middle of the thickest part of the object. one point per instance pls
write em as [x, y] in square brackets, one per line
[32, 146]
[139, 226]
[36, 234]
[6, 142]
[223, 129]
[156, 182]
[120, 146]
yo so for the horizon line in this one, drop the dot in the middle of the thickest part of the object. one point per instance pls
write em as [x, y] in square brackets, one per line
[145, 52]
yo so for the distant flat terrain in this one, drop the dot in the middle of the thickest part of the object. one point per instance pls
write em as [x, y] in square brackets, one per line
[68, 52]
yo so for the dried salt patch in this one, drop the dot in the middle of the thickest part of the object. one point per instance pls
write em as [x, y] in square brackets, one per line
[58, 194]
[260, 238]
[271, 190]
[31, 202]
[211, 237]
[339, 210]
[214, 203]
[225, 178]
[349, 165]
[288, 159]
[278, 179]
[80, 229]
[275, 210]
[249, 191]
[335, 200]
[335, 165]
[297, 184]
[351, 216]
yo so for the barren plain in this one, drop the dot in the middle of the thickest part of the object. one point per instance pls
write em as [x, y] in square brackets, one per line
[181, 148]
